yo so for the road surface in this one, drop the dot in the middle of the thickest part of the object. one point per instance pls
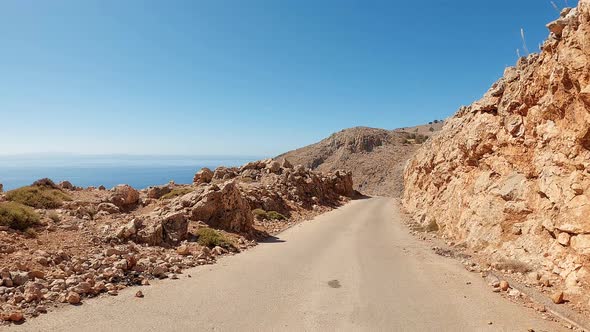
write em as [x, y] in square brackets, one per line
[354, 269]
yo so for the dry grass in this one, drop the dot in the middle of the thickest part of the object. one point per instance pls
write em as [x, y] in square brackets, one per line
[40, 197]
[513, 265]
[177, 192]
[260, 214]
[17, 216]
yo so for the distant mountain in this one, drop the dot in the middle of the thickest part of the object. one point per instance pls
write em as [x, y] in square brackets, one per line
[376, 157]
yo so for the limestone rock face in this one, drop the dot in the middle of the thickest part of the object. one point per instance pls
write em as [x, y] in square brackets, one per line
[518, 159]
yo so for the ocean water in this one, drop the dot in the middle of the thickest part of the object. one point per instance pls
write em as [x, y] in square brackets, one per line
[138, 171]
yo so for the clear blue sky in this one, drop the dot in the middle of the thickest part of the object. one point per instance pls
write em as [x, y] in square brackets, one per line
[255, 77]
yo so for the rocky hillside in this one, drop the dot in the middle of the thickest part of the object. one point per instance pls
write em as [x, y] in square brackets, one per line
[376, 157]
[61, 243]
[508, 175]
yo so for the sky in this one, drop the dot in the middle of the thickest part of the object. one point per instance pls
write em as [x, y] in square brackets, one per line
[235, 77]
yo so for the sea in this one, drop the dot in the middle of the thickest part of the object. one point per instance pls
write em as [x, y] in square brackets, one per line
[109, 170]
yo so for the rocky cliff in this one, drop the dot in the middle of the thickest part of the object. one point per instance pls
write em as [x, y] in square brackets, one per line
[376, 157]
[509, 175]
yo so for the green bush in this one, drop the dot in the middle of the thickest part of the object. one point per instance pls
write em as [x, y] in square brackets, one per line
[259, 214]
[274, 215]
[17, 216]
[177, 192]
[40, 197]
[209, 237]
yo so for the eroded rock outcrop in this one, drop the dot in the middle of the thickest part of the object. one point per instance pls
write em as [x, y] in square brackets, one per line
[508, 175]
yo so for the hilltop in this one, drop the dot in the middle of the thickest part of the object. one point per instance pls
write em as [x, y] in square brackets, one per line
[376, 157]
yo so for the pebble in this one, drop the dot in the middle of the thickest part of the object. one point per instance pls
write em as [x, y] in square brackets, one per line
[139, 294]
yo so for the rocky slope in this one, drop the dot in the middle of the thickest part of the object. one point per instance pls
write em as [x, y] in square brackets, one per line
[85, 242]
[508, 176]
[376, 157]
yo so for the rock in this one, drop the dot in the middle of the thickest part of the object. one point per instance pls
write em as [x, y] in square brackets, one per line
[15, 317]
[581, 243]
[224, 173]
[33, 292]
[158, 191]
[183, 250]
[124, 196]
[82, 288]
[273, 166]
[175, 227]
[139, 294]
[504, 285]
[129, 230]
[225, 209]
[73, 298]
[286, 164]
[111, 251]
[110, 208]
[66, 185]
[557, 297]
[563, 239]
[205, 175]
[19, 278]
[160, 271]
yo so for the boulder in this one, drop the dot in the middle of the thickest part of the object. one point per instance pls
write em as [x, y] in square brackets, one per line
[124, 196]
[175, 227]
[225, 209]
[156, 192]
[205, 175]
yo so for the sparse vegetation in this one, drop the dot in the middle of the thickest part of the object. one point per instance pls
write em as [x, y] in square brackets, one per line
[513, 265]
[260, 214]
[38, 196]
[54, 217]
[432, 226]
[17, 216]
[209, 237]
[30, 233]
[177, 192]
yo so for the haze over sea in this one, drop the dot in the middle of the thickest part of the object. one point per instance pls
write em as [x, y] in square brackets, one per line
[109, 170]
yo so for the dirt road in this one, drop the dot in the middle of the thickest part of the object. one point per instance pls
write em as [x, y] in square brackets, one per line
[353, 269]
